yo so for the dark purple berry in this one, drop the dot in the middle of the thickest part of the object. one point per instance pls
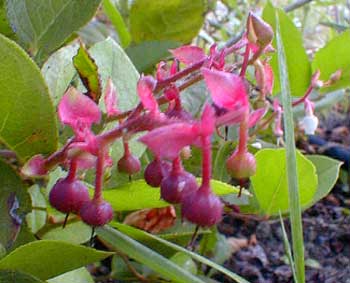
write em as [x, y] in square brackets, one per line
[96, 213]
[129, 164]
[202, 207]
[156, 171]
[177, 185]
[68, 196]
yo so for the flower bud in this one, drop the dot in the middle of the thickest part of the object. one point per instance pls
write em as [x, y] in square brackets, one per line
[241, 165]
[156, 171]
[309, 123]
[96, 213]
[129, 164]
[177, 185]
[68, 196]
[202, 207]
[259, 32]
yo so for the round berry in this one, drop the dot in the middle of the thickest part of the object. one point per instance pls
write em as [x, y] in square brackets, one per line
[202, 207]
[177, 185]
[156, 171]
[129, 164]
[96, 213]
[241, 166]
[68, 196]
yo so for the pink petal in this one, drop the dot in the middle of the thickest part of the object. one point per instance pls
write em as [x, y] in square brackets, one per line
[75, 108]
[255, 116]
[145, 87]
[230, 118]
[35, 167]
[162, 71]
[208, 120]
[188, 54]
[167, 141]
[110, 99]
[227, 90]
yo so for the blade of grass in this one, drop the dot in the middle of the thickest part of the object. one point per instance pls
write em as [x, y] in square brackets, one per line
[141, 253]
[287, 248]
[293, 190]
[132, 232]
[118, 22]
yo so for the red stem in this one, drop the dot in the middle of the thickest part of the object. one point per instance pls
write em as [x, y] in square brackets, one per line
[245, 61]
[302, 99]
[243, 134]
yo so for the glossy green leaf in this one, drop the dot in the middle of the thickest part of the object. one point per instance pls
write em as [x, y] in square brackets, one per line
[46, 259]
[28, 119]
[58, 71]
[178, 248]
[298, 64]
[14, 204]
[5, 28]
[177, 20]
[138, 195]
[118, 22]
[74, 233]
[327, 170]
[88, 73]
[141, 253]
[270, 181]
[36, 219]
[333, 57]
[113, 62]
[80, 275]
[10, 276]
[148, 53]
[43, 26]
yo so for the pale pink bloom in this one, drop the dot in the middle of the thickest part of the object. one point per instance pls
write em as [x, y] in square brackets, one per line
[35, 167]
[145, 88]
[110, 99]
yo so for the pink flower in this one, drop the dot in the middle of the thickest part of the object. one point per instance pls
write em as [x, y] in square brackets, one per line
[78, 111]
[145, 88]
[264, 77]
[110, 99]
[189, 54]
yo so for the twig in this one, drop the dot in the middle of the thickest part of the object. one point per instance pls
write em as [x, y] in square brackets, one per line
[295, 5]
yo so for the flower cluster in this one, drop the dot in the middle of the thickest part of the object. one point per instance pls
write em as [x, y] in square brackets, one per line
[171, 132]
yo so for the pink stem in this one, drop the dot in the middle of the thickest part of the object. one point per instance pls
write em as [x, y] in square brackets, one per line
[72, 170]
[177, 165]
[243, 134]
[206, 163]
[245, 61]
[99, 175]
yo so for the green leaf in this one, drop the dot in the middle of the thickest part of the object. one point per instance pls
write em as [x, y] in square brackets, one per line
[27, 120]
[43, 26]
[118, 22]
[333, 57]
[113, 62]
[10, 276]
[270, 181]
[46, 259]
[36, 219]
[80, 275]
[139, 195]
[153, 260]
[14, 204]
[177, 20]
[147, 54]
[168, 244]
[327, 170]
[220, 172]
[291, 159]
[74, 233]
[58, 71]
[5, 28]
[297, 62]
[88, 73]
[185, 262]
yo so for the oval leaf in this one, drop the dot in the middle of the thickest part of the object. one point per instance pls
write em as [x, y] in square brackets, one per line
[270, 181]
[46, 259]
[27, 119]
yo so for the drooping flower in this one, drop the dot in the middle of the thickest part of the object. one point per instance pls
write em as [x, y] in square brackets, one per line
[145, 88]
[310, 122]
[110, 99]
